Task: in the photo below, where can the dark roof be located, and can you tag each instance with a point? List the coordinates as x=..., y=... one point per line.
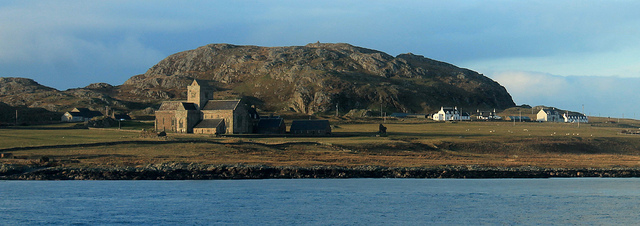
x=209, y=123
x=85, y=112
x=270, y=122
x=175, y=105
x=399, y=115
x=310, y=125
x=519, y=117
x=221, y=105
x=551, y=111
x=189, y=106
x=486, y=113
x=271, y=125
x=574, y=114
x=75, y=114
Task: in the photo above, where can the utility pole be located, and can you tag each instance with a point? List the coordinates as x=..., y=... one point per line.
x=337, y=109
x=16, y=118
x=520, y=117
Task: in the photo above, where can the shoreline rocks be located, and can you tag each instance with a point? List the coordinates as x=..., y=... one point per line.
x=191, y=171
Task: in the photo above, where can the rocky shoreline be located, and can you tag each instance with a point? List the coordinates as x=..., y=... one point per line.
x=191, y=171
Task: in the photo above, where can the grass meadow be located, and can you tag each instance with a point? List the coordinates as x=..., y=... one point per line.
x=409, y=143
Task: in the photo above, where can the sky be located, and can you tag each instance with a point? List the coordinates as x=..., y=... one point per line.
x=571, y=55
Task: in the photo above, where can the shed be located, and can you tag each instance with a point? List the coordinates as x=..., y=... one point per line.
x=271, y=126
x=310, y=127
x=518, y=118
x=399, y=115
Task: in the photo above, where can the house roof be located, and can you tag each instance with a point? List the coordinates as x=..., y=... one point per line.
x=270, y=122
x=399, y=115
x=189, y=106
x=85, y=112
x=298, y=125
x=519, y=117
x=221, y=105
x=209, y=123
x=175, y=105
x=574, y=114
x=449, y=109
x=485, y=113
x=169, y=105
x=75, y=114
x=550, y=111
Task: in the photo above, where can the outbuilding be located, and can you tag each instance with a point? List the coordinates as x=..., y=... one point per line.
x=310, y=127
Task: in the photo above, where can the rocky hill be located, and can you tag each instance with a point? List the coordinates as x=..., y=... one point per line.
x=317, y=77
x=24, y=92
x=308, y=79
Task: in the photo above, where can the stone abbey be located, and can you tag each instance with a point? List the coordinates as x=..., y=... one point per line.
x=201, y=114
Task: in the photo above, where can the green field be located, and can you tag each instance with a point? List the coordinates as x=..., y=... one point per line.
x=409, y=143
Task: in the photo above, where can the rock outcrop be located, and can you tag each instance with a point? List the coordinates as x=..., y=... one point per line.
x=317, y=77
x=193, y=171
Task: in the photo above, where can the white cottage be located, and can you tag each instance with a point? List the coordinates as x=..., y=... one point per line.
x=446, y=114
x=575, y=117
x=549, y=115
x=450, y=114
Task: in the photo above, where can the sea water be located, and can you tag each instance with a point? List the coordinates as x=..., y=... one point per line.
x=322, y=202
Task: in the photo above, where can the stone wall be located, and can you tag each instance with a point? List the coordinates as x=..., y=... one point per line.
x=242, y=120
x=165, y=121
x=186, y=120
x=227, y=115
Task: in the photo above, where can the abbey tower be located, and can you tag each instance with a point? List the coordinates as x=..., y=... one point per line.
x=199, y=93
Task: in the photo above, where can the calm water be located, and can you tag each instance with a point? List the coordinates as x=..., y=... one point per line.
x=326, y=201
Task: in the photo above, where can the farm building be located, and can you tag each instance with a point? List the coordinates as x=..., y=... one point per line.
x=407, y=115
x=79, y=115
x=271, y=125
x=518, y=118
x=310, y=127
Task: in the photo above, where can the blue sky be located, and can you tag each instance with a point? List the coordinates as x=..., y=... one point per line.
x=556, y=53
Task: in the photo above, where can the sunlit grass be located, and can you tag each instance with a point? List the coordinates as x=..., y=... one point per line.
x=415, y=144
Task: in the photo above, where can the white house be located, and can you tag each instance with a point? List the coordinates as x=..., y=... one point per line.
x=488, y=115
x=549, y=115
x=575, y=117
x=446, y=114
x=79, y=115
x=450, y=114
